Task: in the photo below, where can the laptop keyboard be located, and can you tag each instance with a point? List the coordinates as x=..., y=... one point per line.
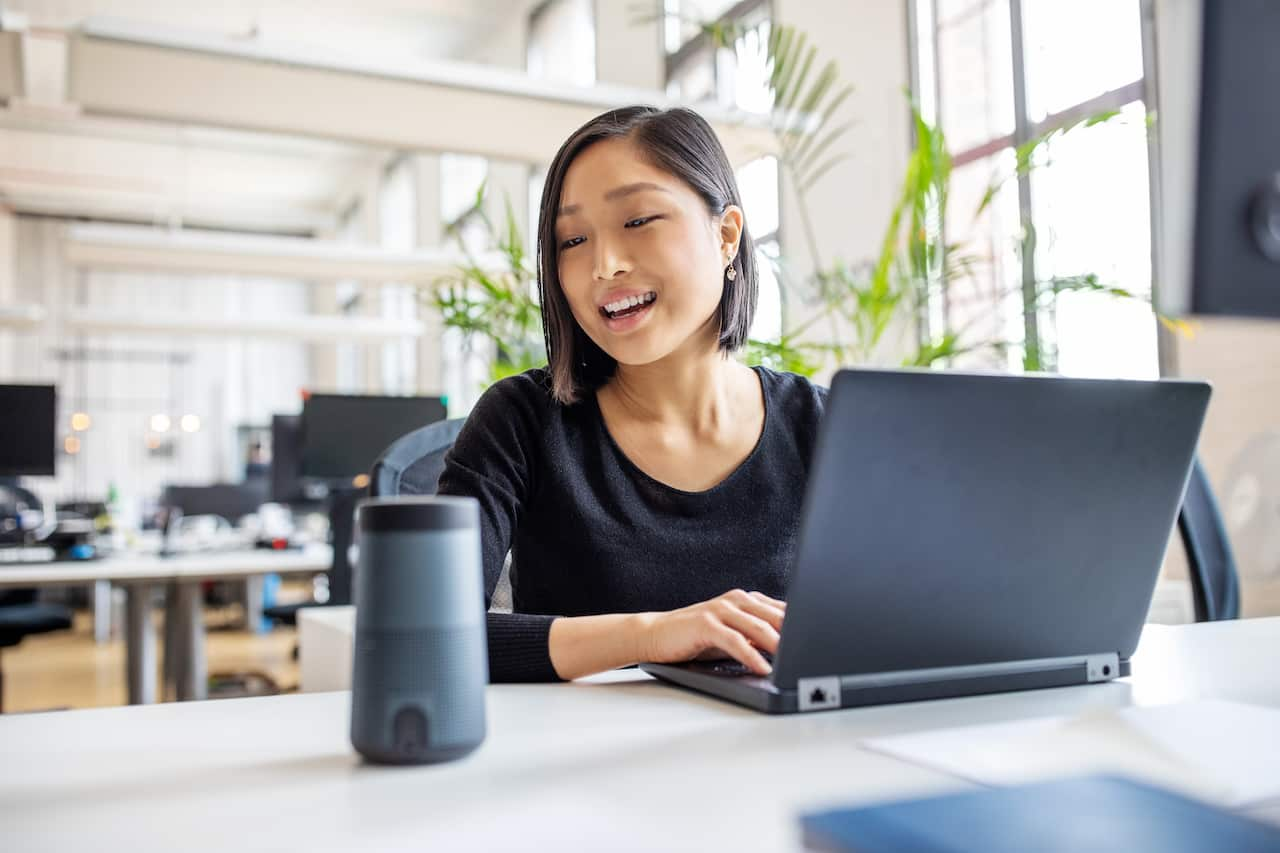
x=727, y=668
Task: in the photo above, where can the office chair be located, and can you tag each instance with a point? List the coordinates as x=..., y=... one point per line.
x=413, y=465
x=1215, y=588
x=20, y=615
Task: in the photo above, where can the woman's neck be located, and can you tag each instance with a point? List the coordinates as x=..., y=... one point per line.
x=699, y=391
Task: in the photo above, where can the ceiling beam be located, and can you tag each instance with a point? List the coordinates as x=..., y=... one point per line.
x=151, y=249
x=18, y=315
x=128, y=70
x=314, y=328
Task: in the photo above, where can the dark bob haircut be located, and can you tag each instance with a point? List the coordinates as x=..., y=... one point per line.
x=681, y=143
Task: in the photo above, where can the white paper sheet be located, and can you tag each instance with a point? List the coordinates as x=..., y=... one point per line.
x=1224, y=752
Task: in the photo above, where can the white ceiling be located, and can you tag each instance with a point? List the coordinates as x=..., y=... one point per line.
x=55, y=161
x=147, y=172
x=434, y=29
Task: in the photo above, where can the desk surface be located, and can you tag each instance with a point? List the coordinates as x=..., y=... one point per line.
x=126, y=567
x=617, y=762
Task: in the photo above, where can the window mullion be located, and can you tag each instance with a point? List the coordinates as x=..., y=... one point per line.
x=1166, y=345
x=1021, y=134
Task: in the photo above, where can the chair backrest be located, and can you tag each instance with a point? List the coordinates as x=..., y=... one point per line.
x=1211, y=565
x=413, y=463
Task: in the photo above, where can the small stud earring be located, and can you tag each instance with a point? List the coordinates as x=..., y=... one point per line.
x=730, y=273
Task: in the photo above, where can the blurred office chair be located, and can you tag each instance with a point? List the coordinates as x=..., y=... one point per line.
x=413, y=465
x=1215, y=589
x=21, y=615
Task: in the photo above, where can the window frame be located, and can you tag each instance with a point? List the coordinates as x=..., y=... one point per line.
x=1026, y=129
x=695, y=49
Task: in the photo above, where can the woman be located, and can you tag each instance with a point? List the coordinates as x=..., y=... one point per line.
x=645, y=478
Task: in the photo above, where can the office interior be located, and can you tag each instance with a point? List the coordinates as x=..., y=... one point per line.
x=227, y=231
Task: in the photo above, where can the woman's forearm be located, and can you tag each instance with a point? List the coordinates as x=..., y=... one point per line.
x=582, y=645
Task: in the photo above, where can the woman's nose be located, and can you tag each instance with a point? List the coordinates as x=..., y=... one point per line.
x=609, y=261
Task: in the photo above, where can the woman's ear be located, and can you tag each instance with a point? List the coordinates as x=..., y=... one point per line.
x=731, y=224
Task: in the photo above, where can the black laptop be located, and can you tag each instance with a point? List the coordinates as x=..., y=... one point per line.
x=968, y=533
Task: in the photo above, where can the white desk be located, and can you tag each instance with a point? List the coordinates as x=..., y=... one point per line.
x=614, y=763
x=184, y=629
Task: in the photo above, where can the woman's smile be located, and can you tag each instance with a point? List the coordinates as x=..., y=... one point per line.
x=624, y=313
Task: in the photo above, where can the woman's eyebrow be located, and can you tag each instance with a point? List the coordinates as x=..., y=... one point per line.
x=615, y=194
x=631, y=189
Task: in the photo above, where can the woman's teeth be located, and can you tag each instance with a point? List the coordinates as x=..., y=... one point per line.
x=630, y=302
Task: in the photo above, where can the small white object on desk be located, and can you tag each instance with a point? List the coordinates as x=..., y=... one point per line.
x=1224, y=752
x=326, y=637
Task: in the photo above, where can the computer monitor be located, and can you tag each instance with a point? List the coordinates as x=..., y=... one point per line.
x=343, y=435
x=286, y=459
x=28, y=439
x=1218, y=67
x=232, y=501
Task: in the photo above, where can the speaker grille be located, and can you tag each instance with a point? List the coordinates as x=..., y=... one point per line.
x=441, y=670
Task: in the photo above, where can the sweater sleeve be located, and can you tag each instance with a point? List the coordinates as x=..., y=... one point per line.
x=494, y=461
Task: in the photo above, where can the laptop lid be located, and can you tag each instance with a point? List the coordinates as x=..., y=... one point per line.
x=958, y=519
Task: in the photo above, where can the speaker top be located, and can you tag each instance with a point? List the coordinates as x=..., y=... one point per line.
x=419, y=513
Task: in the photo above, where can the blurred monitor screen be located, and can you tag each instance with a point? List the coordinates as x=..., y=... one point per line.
x=343, y=435
x=286, y=459
x=27, y=436
x=232, y=501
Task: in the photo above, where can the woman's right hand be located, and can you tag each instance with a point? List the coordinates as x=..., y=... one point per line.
x=737, y=624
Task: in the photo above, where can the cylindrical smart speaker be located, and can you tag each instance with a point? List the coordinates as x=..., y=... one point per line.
x=421, y=664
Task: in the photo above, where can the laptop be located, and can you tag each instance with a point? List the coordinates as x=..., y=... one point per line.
x=968, y=533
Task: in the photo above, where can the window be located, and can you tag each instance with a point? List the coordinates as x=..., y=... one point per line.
x=698, y=71
x=758, y=184
x=737, y=78
x=349, y=356
x=995, y=74
x=461, y=177
x=562, y=42
x=398, y=231
x=464, y=371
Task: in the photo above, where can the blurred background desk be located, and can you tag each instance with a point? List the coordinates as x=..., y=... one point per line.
x=140, y=575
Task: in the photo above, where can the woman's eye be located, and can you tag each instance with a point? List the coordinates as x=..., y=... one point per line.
x=635, y=223
x=570, y=243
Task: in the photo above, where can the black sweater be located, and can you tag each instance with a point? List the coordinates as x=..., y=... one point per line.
x=591, y=533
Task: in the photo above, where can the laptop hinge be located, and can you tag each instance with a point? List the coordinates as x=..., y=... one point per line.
x=1100, y=667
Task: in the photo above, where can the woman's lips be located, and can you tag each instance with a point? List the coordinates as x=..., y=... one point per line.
x=629, y=320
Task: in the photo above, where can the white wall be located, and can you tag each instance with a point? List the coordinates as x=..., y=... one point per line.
x=850, y=208
x=628, y=53
x=504, y=46
x=1240, y=443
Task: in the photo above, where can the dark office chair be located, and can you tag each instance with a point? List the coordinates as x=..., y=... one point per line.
x=20, y=615
x=1215, y=588
x=413, y=465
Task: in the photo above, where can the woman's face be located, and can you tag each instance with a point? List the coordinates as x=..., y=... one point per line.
x=641, y=259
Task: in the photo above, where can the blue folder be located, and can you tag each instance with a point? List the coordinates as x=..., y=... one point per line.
x=1093, y=813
